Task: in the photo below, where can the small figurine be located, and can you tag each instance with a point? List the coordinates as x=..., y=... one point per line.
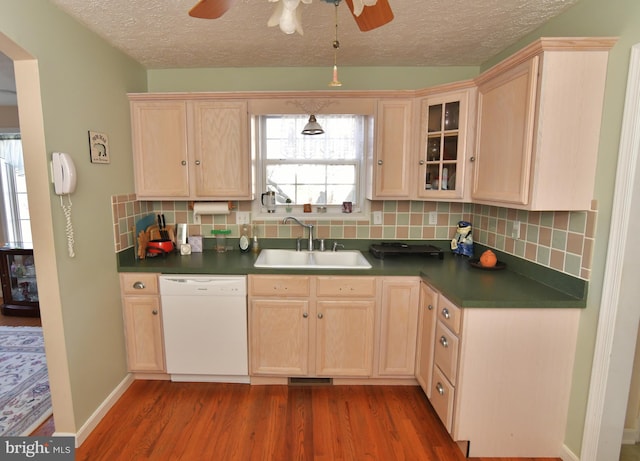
x=462, y=243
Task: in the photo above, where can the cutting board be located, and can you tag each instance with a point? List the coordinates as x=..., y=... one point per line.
x=143, y=223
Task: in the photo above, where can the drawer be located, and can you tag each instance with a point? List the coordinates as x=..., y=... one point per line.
x=361, y=287
x=446, y=351
x=442, y=397
x=449, y=314
x=279, y=285
x=136, y=284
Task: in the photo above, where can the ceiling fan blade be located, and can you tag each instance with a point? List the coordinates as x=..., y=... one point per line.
x=210, y=9
x=374, y=16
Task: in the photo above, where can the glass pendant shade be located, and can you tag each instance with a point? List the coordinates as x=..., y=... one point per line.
x=312, y=127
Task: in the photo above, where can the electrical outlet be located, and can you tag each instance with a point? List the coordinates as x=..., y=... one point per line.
x=433, y=217
x=515, y=231
x=243, y=217
x=377, y=217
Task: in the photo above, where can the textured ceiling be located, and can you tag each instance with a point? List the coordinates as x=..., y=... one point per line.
x=160, y=34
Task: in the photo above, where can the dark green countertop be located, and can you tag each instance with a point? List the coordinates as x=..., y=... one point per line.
x=521, y=284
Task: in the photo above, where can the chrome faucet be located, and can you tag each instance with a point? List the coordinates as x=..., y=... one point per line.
x=308, y=226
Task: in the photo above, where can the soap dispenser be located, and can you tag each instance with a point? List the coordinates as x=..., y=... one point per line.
x=243, y=242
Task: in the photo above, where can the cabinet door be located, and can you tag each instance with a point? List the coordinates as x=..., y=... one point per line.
x=221, y=158
x=159, y=132
x=398, y=327
x=392, y=167
x=441, y=165
x=344, y=337
x=506, y=118
x=143, y=330
x=279, y=336
x=428, y=309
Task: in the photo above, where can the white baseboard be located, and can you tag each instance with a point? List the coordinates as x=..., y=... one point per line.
x=91, y=423
x=568, y=455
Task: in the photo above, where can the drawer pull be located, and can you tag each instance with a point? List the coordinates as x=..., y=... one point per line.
x=445, y=313
x=154, y=312
x=444, y=341
x=440, y=388
x=430, y=307
x=320, y=315
x=305, y=315
x=139, y=286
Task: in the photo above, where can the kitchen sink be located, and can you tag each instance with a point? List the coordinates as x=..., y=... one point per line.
x=292, y=259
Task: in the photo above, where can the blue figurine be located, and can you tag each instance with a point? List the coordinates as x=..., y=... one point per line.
x=462, y=243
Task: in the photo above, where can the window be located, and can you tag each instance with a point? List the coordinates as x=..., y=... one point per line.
x=325, y=169
x=15, y=209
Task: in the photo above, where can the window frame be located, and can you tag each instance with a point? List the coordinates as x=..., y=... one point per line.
x=361, y=207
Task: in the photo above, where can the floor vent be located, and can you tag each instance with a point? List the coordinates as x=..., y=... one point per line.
x=310, y=381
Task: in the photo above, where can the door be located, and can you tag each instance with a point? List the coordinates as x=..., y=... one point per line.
x=221, y=158
x=160, y=148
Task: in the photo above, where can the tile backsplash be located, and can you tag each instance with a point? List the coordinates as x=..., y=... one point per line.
x=560, y=240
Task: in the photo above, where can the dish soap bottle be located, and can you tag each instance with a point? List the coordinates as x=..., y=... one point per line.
x=243, y=243
x=256, y=245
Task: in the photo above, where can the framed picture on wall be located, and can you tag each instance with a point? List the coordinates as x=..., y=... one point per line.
x=99, y=147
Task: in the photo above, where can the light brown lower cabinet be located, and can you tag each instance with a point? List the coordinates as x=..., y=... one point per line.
x=501, y=377
x=307, y=326
x=142, y=322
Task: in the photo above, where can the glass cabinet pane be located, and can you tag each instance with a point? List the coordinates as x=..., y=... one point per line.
x=451, y=115
x=435, y=118
x=450, y=151
x=22, y=276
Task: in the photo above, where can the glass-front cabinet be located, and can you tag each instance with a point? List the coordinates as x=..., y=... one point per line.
x=444, y=120
x=19, y=286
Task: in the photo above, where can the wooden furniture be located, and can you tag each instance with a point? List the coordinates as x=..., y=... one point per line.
x=397, y=327
x=142, y=322
x=446, y=137
x=539, y=114
x=19, y=285
x=501, y=376
x=390, y=169
x=305, y=326
x=190, y=149
x=427, y=310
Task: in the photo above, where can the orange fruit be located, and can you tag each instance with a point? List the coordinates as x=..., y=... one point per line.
x=488, y=259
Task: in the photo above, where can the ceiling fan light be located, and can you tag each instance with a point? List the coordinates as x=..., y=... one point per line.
x=312, y=127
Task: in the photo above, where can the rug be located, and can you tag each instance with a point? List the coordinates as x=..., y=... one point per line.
x=25, y=400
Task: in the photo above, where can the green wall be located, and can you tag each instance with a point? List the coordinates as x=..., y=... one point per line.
x=84, y=83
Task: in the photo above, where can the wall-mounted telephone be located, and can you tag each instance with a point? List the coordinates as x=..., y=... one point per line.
x=64, y=183
x=64, y=173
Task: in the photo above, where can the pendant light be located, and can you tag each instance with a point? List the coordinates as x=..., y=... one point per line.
x=336, y=44
x=312, y=127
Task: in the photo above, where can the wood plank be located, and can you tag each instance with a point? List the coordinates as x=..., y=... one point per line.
x=159, y=420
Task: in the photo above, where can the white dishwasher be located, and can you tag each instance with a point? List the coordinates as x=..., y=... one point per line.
x=205, y=327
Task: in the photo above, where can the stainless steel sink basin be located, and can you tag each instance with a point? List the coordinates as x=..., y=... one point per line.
x=292, y=259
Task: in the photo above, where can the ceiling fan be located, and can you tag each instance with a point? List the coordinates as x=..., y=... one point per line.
x=368, y=14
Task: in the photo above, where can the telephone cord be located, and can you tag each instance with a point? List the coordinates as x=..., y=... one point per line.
x=68, y=227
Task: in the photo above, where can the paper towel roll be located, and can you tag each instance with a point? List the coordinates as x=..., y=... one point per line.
x=200, y=208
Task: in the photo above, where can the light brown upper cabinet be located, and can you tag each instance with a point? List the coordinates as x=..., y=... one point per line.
x=539, y=114
x=445, y=137
x=190, y=149
x=391, y=165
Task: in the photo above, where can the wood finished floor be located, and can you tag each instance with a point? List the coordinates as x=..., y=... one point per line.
x=162, y=420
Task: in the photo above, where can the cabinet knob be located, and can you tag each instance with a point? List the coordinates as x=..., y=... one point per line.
x=379, y=162
x=440, y=388
x=421, y=162
x=430, y=307
x=444, y=341
x=305, y=315
x=472, y=159
x=183, y=163
x=154, y=312
x=139, y=286
x=320, y=315
x=197, y=162
x=445, y=313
